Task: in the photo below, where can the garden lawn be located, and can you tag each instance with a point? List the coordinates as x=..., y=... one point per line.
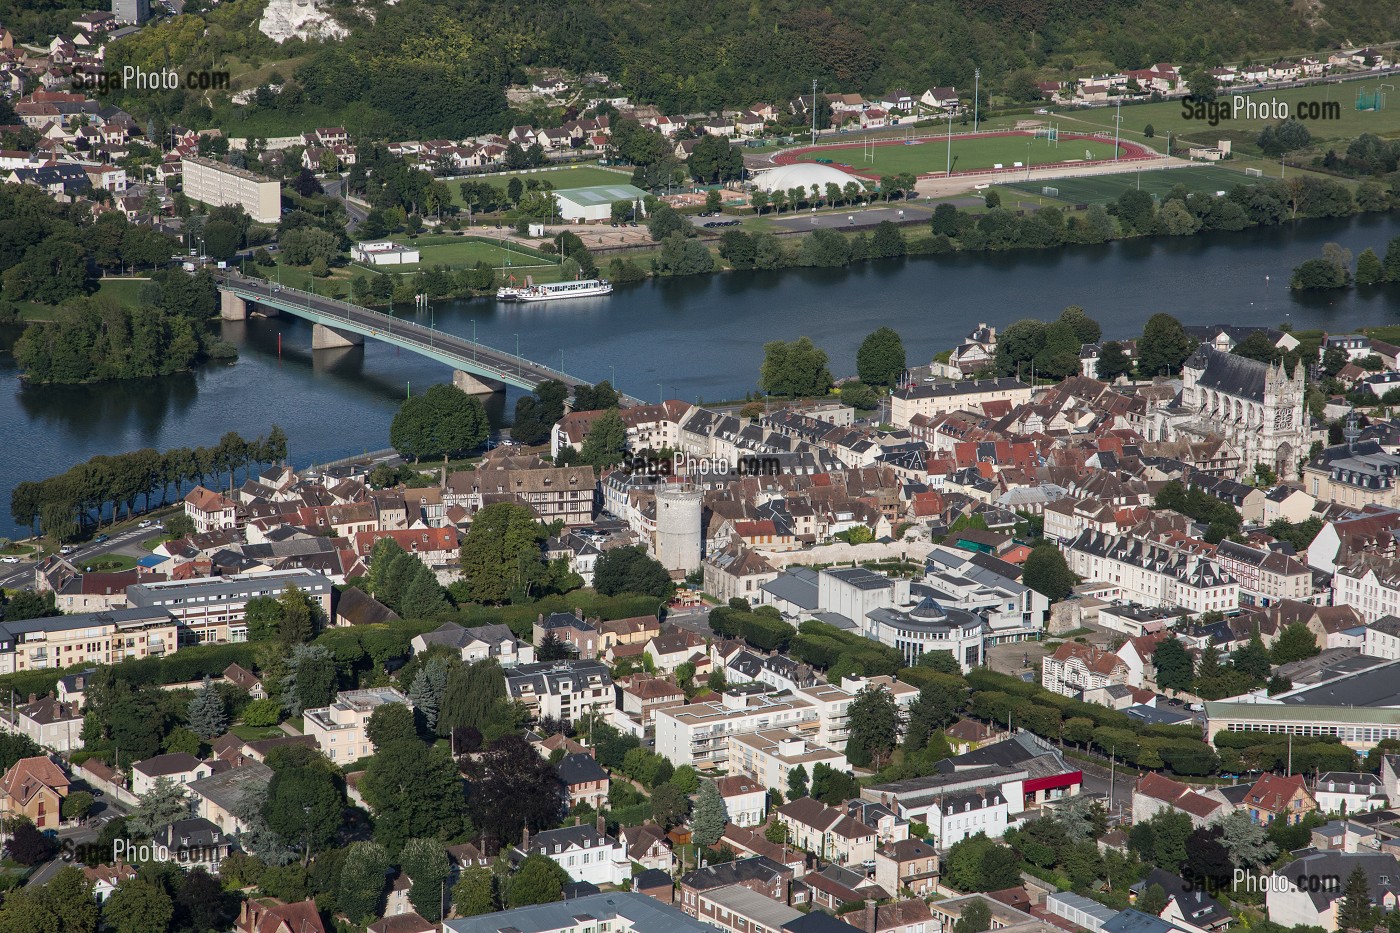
x=573, y=176
x=1103, y=189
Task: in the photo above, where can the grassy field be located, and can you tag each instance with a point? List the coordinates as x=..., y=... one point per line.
x=574, y=176
x=123, y=291
x=1167, y=116
x=1102, y=189
x=464, y=253
x=931, y=155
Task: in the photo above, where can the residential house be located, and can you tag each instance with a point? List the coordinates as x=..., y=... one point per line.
x=218, y=797
x=34, y=788
x=1347, y=792
x=1155, y=793
x=586, y=852
x=269, y=915
x=47, y=721
x=195, y=843
x=105, y=878
x=340, y=729
x=210, y=510
x=1296, y=897
x=907, y=865
x=758, y=874
x=828, y=832
x=745, y=800
x=562, y=690
x=176, y=767
x=585, y=781
x=1274, y=796
x=646, y=846
x=478, y=643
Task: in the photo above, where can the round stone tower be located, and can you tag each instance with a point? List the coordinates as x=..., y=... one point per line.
x=678, y=539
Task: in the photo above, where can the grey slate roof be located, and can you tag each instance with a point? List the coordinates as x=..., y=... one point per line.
x=645, y=914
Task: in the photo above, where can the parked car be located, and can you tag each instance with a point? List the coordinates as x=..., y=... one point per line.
x=66, y=549
x=11, y=559
x=100, y=538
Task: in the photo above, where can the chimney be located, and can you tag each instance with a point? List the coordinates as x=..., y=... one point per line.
x=870, y=918
x=32, y=697
x=602, y=825
x=525, y=840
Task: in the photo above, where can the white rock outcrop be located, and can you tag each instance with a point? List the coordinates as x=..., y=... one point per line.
x=285, y=19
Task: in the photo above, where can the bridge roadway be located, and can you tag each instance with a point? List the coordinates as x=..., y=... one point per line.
x=477, y=368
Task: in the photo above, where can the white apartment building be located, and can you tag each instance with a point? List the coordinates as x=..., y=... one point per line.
x=1370, y=585
x=1074, y=668
x=697, y=734
x=218, y=184
x=563, y=690
x=962, y=815
x=968, y=394
x=211, y=610
x=771, y=755
x=1383, y=639
x=1153, y=574
x=339, y=729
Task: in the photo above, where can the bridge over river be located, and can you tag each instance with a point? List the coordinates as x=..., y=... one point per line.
x=477, y=368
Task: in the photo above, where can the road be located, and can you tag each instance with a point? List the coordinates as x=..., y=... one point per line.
x=356, y=214
x=20, y=576
x=463, y=354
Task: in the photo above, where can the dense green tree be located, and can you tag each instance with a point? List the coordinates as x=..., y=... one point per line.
x=362, y=878
x=1113, y=362
x=794, y=369
x=413, y=787
x=631, y=570
x=976, y=918
x=511, y=787
x=501, y=557
x=979, y=864
x=1252, y=659
x=305, y=808
x=1295, y=643
x=1368, y=268
x=64, y=905
x=539, y=880
x=1046, y=572
x=831, y=786
x=880, y=360
x=390, y=723
x=1356, y=911
x=874, y=723
x=137, y=906
x=207, y=714
x=442, y=422
x=1164, y=346
x=669, y=805
x=425, y=862
x=606, y=442
x=472, y=694
x=474, y=892
x=1173, y=665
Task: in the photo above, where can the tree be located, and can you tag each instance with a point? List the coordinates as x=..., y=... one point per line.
x=137, y=906
x=1368, y=268
x=424, y=597
x=442, y=422
x=208, y=717
x=710, y=815
x=1252, y=659
x=411, y=787
x=794, y=369
x=1046, y=572
x=669, y=806
x=310, y=681
x=500, y=555
x=1113, y=362
x=424, y=860
x=776, y=832
x=1356, y=911
x=160, y=806
x=631, y=570
x=606, y=442
x=1246, y=841
x=832, y=787
x=976, y=918
x=1153, y=900
x=539, y=880
x=362, y=877
x=880, y=360
x=76, y=805
x=305, y=808
x=28, y=846
x=512, y=788
x=1295, y=643
x=472, y=694
x=797, y=782
x=390, y=723
x=1086, y=329
x=474, y=893
x=1173, y=665
x=1164, y=346
x=979, y=864
x=873, y=720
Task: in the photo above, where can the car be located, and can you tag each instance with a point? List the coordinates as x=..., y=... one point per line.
x=100, y=538
x=144, y=524
x=9, y=560
x=66, y=549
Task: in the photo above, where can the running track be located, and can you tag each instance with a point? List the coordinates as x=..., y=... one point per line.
x=1130, y=152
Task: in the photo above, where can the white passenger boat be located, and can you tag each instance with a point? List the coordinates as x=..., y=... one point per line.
x=582, y=288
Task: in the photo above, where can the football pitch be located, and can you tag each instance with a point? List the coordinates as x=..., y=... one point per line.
x=1102, y=189
x=574, y=176
x=930, y=155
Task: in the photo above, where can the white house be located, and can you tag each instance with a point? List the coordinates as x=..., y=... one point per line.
x=745, y=800
x=384, y=253
x=585, y=852
x=179, y=767
x=1349, y=792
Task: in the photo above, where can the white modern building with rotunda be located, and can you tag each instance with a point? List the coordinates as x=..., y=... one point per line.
x=803, y=175
x=928, y=626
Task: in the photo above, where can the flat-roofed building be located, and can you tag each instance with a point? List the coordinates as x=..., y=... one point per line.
x=92, y=638
x=219, y=184
x=616, y=911
x=212, y=609
x=773, y=754
x=697, y=734
x=340, y=729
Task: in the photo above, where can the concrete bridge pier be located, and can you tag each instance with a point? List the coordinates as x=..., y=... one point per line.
x=472, y=384
x=232, y=308
x=328, y=338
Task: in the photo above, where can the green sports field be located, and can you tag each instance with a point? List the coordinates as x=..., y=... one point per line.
x=462, y=253
x=576, y=176
x=1101, y=189
x=930, y=156
x=1167, y=116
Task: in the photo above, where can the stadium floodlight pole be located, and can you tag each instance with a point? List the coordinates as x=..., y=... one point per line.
x=949, y=172
x=1117, y=122
x=976, y=96
x=814, y=111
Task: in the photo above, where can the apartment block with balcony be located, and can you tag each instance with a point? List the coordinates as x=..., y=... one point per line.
x=563, y=690
x=697, y=734
x=340, y=729
x=93, y=638
x=771, y=755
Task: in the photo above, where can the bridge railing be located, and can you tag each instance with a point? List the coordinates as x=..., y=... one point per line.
x=499, y=361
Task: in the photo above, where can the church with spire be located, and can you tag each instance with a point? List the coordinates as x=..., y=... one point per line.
x=1256, y=408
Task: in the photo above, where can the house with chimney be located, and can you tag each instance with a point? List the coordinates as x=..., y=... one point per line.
x=34, y=788
x=269, y=915
x=1275, y=796
x=586, y=852
x=1155, y=793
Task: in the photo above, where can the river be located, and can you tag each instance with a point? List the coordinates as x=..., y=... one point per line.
x=691, y=338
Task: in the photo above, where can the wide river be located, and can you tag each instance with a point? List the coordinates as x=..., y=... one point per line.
x=695, y=338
